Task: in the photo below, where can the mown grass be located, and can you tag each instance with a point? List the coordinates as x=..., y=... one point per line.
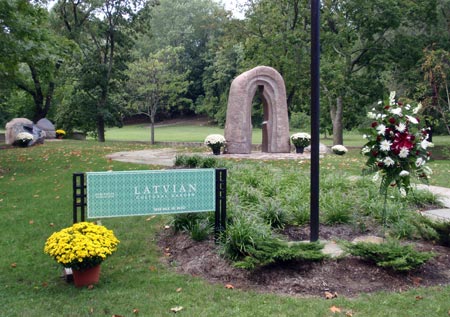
x=197, y=133
x=36, y=200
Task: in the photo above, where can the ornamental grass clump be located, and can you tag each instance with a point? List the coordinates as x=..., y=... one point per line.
x=301, y=139
x=81, y=246
x=397, y=145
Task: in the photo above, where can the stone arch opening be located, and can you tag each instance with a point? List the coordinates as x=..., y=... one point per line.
x=275, y=127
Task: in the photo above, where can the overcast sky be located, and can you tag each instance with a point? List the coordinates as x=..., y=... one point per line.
x=235, y=6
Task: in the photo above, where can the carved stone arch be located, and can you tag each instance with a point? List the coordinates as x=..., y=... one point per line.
x=238, y=126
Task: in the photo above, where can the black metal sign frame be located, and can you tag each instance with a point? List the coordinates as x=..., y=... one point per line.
x=80, y=199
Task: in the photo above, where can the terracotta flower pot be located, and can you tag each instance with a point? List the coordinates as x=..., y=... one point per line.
x=86, y=277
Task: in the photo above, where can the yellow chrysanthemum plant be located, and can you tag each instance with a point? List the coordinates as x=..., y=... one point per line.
x=81, y=246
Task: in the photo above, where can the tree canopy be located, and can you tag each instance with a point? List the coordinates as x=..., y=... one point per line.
x=88, y=64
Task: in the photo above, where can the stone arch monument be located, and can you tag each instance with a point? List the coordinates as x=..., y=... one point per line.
x=238, y=126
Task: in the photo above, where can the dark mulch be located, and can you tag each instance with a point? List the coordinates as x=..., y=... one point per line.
x=348, y=276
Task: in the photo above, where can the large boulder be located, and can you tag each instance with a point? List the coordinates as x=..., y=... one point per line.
x=18, y=125
x=45, y=125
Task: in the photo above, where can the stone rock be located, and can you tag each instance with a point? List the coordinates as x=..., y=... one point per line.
x=47, y=126
x=238, y=126
x=18, y=125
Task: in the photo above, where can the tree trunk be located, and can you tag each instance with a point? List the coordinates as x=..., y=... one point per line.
x=152, y=129
x=101, y=128
x=336, y=118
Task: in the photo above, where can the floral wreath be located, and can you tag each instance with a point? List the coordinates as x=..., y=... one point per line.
x=397, y=145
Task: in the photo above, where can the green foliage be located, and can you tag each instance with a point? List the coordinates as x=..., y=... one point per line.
x=197, y=161
x=390, y=254
x=273, y=250
x=300, y=121
x=438, y=231
x=198, y=225
x=274, y=213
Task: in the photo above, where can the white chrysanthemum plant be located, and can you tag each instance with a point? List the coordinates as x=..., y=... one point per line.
x=397, y=145
x=24, y=136
x=339, y=149
x=215, y=142
x=301, y=139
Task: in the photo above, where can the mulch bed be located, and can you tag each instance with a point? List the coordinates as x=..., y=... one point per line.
x=349, y=276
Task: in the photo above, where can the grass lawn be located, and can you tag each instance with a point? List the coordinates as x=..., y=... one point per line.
x=36, y=200
x=196, y=133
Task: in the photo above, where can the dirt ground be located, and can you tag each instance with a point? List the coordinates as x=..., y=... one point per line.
x=348, y=276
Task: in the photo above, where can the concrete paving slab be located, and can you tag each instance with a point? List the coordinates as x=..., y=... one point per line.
x=437, y=214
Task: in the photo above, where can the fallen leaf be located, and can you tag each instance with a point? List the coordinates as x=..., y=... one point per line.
x=176, y=309
x=335, y=309
x=114, y=315
x=150, y=218
x=35, y=196
x=51, y=224
x=152, y=268
x=45, y=284
x=349, y=313
x=329, y=295
x=179, y=289
x=166, y=227
x=13, y=265
x=91, y=311
x=167, y=254
x=135, y=311
x=31, y=222
x=90, y=286
x=418, y=297
x=417, y=281
x=229, y=286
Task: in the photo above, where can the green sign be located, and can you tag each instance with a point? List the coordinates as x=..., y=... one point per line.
x=134, y=193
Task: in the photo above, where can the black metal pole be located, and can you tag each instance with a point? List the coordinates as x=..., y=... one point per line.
x=315, y=118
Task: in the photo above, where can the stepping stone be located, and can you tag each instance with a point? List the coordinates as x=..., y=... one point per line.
x=437, y=214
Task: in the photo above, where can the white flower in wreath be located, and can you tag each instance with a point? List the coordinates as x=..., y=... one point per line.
x=404, y=152
x=385, y=145
x=420, y=161
x=403, y=173
x=388, y=161
x=400, y=127
x=412, y=119
x=381, y=129
x=396, y=111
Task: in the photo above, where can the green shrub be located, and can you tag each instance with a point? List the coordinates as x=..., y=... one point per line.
x=300, y=120
x=389, y=254
x=273, y=250
x=193, y=161
x=440, y=231
x=180, y=160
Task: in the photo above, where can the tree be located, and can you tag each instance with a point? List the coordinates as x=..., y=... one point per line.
x=192, y=25
x=157, y=82
x=30, y=54
x=101, y=30
x=356, y=40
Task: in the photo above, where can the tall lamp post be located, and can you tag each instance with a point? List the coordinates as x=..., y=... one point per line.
x=315, y=119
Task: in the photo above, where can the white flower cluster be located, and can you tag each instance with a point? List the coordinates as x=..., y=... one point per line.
x=24, y=136
x=339, y=149
x=215, y=139
x=301, y=135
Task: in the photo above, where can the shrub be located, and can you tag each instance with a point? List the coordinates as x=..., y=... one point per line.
x=274, y=250
x=389, y=254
